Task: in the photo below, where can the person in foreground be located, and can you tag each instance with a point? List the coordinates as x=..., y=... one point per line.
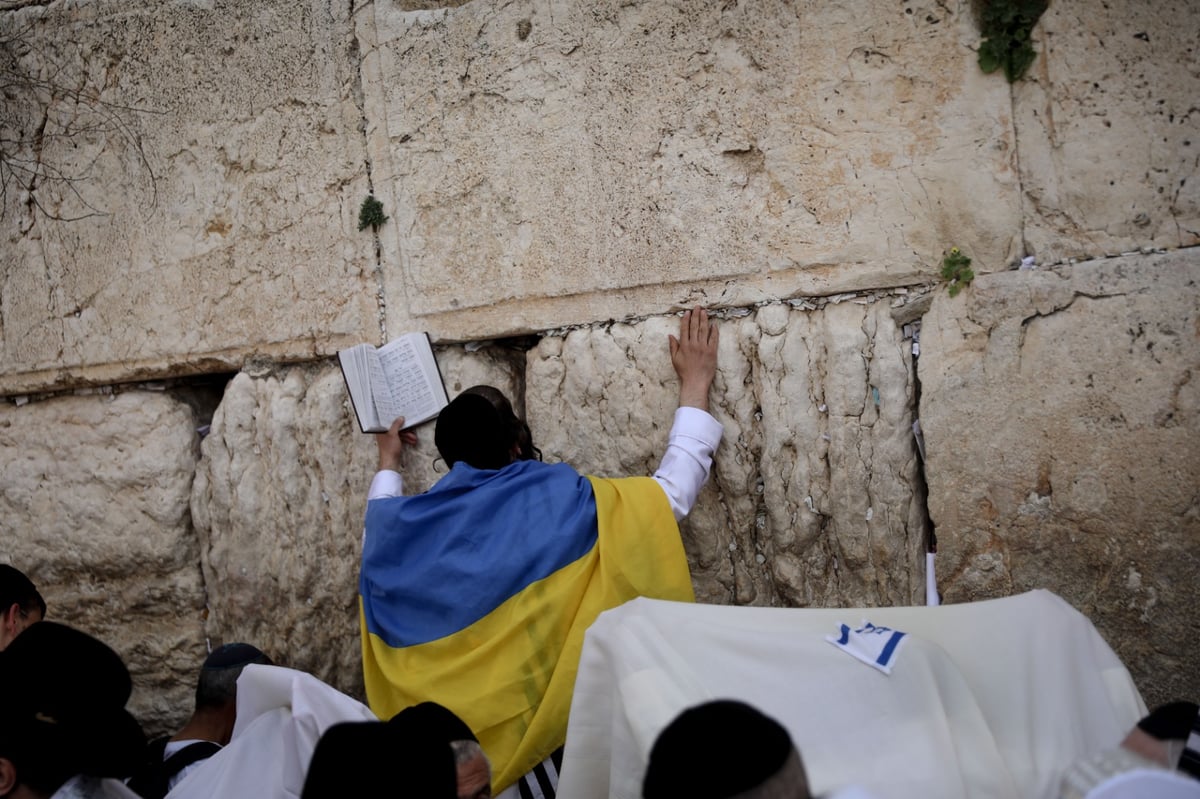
x=745, y=754
x=210, y=727
x=424, y=751
x=64, y=730
x=477, y=593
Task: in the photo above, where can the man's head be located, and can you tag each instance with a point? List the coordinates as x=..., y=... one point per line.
x=433, y=722
x=721, y=750
x=518, y=434
x=217, y=687
x=481, y=429
x=355, y=758
x=471, y=430
x=66, y=714
x=20, y=604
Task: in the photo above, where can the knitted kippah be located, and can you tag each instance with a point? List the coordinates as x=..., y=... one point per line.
x=715, y=750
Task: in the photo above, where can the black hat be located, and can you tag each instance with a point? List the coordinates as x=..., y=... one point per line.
x=715, y=750
x=471, y=430
x=433, y=721
x=16, y=588
x=65, y=708
x=355, y=758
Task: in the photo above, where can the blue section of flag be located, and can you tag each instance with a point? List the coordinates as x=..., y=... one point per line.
x=889, y=649
x=435, y=563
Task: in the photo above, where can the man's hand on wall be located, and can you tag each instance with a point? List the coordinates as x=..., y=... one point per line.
x=694, y=355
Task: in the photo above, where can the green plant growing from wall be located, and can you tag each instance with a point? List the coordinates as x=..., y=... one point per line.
x=956, y=268
x=371, y=214
x=1006, y=26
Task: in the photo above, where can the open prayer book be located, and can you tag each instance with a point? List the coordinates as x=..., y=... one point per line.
x=401, y=378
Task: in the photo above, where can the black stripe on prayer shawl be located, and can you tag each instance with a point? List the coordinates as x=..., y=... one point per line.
x=544, y=782
x=556, y=757
x=541, y=782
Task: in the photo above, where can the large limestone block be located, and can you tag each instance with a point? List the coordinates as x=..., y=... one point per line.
x=1109, y=131
x=94, y=507
x=811, y=497
x=845, y=523
x=1061, y=412
x=278, y=503
x=556, y=162
x=182, y=184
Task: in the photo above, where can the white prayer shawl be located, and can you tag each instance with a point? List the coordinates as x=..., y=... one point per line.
x=989, y=699
x=84, y=787
x=281, y=714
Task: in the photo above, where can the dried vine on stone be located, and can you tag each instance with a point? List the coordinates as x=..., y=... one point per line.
x=36, y=110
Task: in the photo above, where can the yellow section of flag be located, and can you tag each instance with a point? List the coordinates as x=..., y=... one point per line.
x=510, y=675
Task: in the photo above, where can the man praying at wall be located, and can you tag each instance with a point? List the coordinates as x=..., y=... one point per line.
x=209, y=728
x=477, y=593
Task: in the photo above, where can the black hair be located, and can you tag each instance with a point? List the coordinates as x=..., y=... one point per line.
x=217, y=685
x=518, y=432
x=481, y=429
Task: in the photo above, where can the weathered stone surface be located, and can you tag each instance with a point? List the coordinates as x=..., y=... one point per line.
x=557, y=163
x=1109, y=131
x=811, y=500
x=278, y=503
x=197, y=170
x=1061, y=412
x=193, y=173
x=94, y=507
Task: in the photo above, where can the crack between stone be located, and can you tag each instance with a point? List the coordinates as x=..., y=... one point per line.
x=1059, y=309
x=1012, y=109
x=920, y=485
x=360, y=102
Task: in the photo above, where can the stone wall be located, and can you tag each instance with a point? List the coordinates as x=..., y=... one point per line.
x=94, y=502
x=1085, y=385
x=181, y=183
x=555, y=163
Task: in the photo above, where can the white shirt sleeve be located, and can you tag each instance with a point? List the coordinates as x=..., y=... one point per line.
x=688, y=460
x=386, y=484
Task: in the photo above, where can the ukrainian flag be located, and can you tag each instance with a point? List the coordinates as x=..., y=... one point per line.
x=477, y=593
